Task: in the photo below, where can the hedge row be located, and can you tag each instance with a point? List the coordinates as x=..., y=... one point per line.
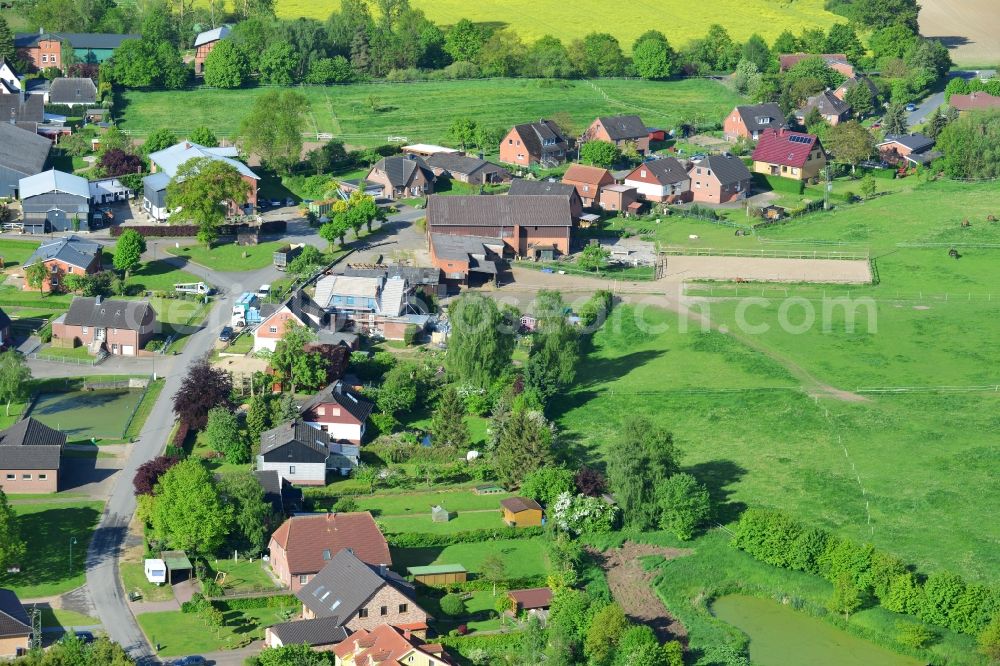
x=778, y=184
x=186, y=230
x=426, y=540
x=941, y=598
x=246, y=603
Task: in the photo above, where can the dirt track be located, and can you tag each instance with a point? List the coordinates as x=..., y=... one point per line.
x=757, y=269
x=969, y=28
x=632, y=588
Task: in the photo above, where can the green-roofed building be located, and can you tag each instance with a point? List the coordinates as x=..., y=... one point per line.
x=438, y=574
x=177, y=562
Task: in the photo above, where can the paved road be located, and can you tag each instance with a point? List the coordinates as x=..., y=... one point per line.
x=926, y=107
x=103, y=583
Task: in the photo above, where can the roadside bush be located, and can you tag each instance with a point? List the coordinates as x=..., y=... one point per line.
x=196, y=604
x=45, y=333
x=452, y=604
x=276, y=601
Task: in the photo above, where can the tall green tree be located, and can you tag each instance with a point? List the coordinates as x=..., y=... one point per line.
x=35, y=275
x=224, y=434
x=598, y=54
x=755, y=50
x=290, y=360
x=842, y=39
x=463, y=131
x=14, y=378
x=464, y=40
x=525, y=445
x=894, y=121
x=203, y=136
x=448, y=426
x=227, y=65
x=860, y=97
x=548, y=58
x=970, y=146
x=6, y=41
x=188, y=512
x=273, y=128
x=258, y=417
x=846, y=597
x=128, y=251
x=606, y=629
x=12, y=547
x=684, y=505
x=252, y=514
x=874, y=14
x=645, y=457
x=278, y=63
x=989, y=638
x=204, y=189
x=482, y=340
x=600, y=153
x=652, y=56
x=850, y=142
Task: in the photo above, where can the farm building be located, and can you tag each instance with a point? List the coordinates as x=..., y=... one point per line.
x=521, y=512
x=438, y=574
x=535, y=599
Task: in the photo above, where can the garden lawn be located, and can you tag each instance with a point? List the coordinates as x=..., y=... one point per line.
x=180, y=633
x=464, y=520
x=212, y=459
x=229, y=257
x=241, y=345
x=158, y=276
x=244, y=575
x=47, y=529
x=688, y=584
x=523, y=557
x=134, y=580
x=419, y=503
x=345, y=112
x=70, y=353
x=15, y=252
x=480, y=611
x=11, y=295
x=531, y=20
x=179, y=318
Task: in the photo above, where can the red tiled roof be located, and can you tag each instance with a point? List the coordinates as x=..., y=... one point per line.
x=384, y=644
x=784, y=147
x=975, y=100
x=537, y=597
x=305, y=538
x=580, y=173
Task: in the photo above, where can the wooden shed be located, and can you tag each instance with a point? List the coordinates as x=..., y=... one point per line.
x=439, y=574
x=521, y=512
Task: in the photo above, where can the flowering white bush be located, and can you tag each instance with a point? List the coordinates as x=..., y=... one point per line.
x=577, y=514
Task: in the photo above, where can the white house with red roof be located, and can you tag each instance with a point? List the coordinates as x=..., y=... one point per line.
x=789, y=154
x=338, y=411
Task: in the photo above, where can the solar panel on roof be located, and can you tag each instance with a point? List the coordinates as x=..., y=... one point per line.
x=800, y=139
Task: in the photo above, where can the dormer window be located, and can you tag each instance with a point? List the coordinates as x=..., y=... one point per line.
x=642, y=173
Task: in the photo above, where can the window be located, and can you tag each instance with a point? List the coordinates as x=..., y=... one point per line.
x=303, y=579
x=510, y=142
x=698, y=171
x=586, y=188
x=291, y=469
x=26, y=477
x=272, y=329
x=321, y=410
x=45, y=58
x=795, y=171
x=363, y=613
x=43, y=477
x=642, y=173
x=383, y=611
x=403, y=608
x=55, y=269
x=85, y=329
x=350, y=300
x=11, y=477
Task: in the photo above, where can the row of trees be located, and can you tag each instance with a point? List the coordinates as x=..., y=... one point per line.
x=863, y=576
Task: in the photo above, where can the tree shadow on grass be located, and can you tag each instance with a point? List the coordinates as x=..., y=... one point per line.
x=47, y=536
x=719, y=476
x=598, y=371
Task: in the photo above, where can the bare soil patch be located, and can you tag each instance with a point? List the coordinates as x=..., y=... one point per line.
x=632, y=588
x=760, y=269
x=969, y=28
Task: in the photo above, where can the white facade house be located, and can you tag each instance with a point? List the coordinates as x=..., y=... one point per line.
x=302, y=455
x=339, y=412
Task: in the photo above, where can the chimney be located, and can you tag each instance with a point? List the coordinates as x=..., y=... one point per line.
x=381, y=570
x=330, y=515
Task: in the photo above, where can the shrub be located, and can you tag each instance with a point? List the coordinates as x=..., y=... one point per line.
x=915, y=636
x=276, y=601
x=196, y=604
x=428, y=540
x=345, y=505
x=452, y=604
x=45, y=333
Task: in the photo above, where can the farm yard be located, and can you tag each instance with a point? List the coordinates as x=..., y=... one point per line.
x=424, y=111
x=531, y=20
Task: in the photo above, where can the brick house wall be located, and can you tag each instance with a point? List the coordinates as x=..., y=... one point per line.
x=271, y=330
x=811, y=169
x=279, y=565
x=513, y=150
x=399, y=609
x=734, y=128
x=528, y=236
x=708, y=189
x=57, y=270
x=590, y=192
x=418, y=184
x=29, y=481
x=115, y=339
x=650, y=188
x=46, y=53
x=894, y=152
x=201, y=54
x=614, y=200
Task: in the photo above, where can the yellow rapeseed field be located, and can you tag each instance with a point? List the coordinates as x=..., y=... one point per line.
x=680, y=20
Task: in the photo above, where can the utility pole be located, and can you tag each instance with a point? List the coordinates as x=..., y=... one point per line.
x=827, y=190
x=72, y=541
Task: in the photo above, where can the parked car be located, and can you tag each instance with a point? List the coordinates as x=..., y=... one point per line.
x=911, y=107
x=289, y=201
x=193, y=660
x=276, y=203
x=226, y=334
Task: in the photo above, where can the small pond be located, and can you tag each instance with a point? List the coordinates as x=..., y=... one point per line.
x=782, y=636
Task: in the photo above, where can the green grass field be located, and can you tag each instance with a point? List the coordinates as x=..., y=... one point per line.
x=523, y=557
x=420, y=503
x=532, y=20
x=230, y=257
x=425, y=111
x=158, y=276
x=244, y=574
x=180, y=633
x=463, y=520
x=47, y=530
x=134, y=580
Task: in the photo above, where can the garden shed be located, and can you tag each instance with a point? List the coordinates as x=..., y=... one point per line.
x=488, y=489
x=439, y=514
x=438, y=574
x=177, y=562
